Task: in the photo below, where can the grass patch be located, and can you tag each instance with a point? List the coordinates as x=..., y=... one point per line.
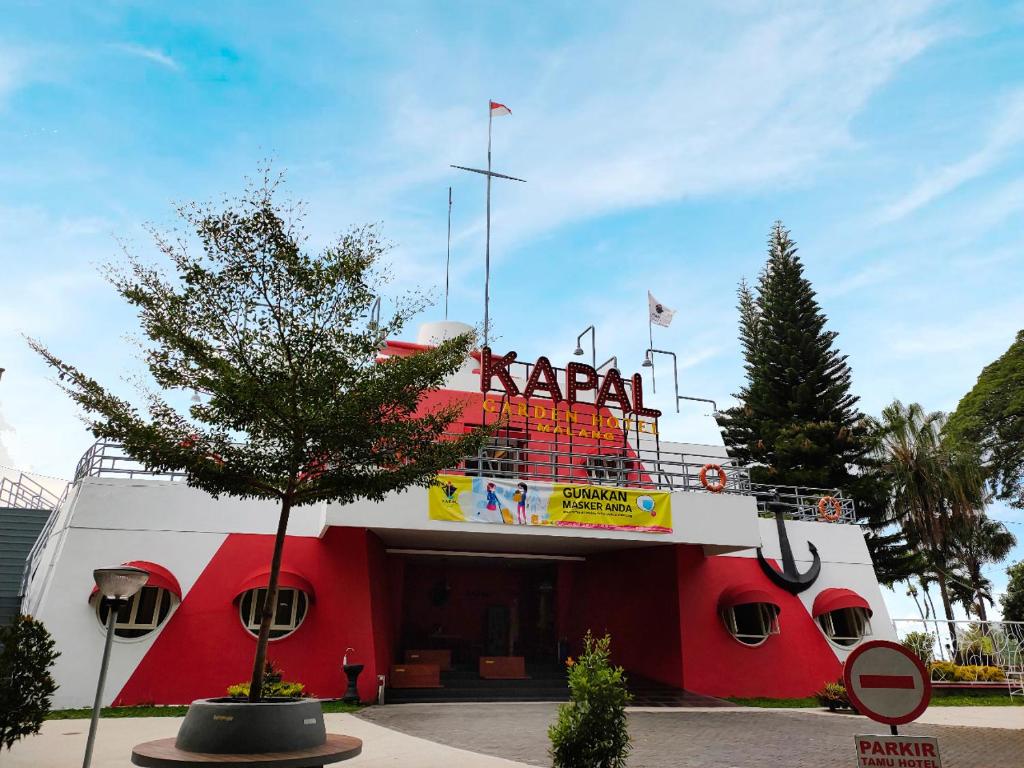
x=987, y=699
x=86, y=712
x=170, y=711
x=939, y=699
x=762, y=701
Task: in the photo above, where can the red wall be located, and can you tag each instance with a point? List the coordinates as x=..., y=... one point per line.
x=633, y=595
x=204, y=648
x=796, y=662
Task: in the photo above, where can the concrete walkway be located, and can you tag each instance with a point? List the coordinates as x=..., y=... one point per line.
x=62, y=744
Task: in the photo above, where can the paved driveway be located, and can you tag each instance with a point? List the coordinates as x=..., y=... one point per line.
x=711, y=739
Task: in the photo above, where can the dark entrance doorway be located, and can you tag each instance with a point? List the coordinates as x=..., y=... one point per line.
x=479, y=606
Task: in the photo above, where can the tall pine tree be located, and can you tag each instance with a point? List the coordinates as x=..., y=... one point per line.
x=797, y=422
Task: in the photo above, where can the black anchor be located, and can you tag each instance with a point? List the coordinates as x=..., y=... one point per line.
x=790, y=579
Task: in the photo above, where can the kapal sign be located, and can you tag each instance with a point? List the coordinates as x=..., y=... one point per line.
x=610, y=390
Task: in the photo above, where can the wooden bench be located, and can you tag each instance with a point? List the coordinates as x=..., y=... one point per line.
x=503, y=668
x=415, y=676
x=163, y=754
x=442, y=658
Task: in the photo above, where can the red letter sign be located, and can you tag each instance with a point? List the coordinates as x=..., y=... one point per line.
x=638, y=399
x=550, y=383
x=574, y=385
x=491, y=367
x=613, y=381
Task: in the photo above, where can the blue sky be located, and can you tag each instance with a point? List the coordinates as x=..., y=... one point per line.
x=659, y=144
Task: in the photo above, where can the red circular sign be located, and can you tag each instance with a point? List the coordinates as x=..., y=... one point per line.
x=887, y=682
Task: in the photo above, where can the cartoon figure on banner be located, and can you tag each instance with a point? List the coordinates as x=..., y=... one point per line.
x=519, y=497
x=492, y=498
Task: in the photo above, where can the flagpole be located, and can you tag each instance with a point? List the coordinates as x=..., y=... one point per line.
x=650, y=335
x=487, y=247
x=448, y=260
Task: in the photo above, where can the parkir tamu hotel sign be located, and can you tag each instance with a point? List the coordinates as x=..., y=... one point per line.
x=544, y=501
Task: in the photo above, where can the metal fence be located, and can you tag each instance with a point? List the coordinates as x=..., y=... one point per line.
x=648, y=466
x=24, y=492
x=986, y=653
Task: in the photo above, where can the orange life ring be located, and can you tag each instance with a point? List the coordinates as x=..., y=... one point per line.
x=713, y=487
x=837, y=508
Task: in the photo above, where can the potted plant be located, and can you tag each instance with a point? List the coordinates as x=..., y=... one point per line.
x=278, y=347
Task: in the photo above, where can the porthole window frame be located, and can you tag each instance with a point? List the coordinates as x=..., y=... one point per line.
x=164, y=607
x=846, y=642
x=768, y=613
x=277, y=631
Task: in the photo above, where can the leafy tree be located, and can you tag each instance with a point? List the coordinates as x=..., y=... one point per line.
x=26, y=685
x=591, y=729
x=281, y=345
x=991, y=416
x=975, y=543
x=797, y=422
x=1012, y=600
x=934, y=488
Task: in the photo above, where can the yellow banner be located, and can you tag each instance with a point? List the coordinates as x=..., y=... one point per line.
x=462, y=499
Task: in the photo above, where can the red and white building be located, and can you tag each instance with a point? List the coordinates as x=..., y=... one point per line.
x=687, y=602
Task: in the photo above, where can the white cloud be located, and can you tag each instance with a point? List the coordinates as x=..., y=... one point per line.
x=151, y=54
x=1005, y=134
x=638, y=118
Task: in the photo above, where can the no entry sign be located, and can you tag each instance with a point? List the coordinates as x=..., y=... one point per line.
x=887, y=682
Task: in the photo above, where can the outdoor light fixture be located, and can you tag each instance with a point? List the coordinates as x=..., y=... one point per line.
x=649, y=361
x=116, y=586
x=593, y=344
x=714, y=405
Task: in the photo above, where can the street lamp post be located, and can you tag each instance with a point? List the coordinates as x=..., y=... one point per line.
x=649, y=363
x=593, y=344
x=714, y=405
x=116, y=586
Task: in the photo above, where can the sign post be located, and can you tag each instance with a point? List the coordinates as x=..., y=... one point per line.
x=890, y=685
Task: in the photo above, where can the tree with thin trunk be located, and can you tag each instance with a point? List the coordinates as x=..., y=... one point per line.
x=934, y=487
x=279, y=344
x=974, y=544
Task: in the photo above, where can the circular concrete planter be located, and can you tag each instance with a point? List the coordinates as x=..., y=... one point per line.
x=233, y=726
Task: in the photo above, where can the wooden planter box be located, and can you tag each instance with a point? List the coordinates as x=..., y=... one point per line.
x=442, y=658
x=415, y=676
x=503, y=668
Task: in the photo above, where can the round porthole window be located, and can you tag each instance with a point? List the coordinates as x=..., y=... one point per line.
x=845, y=626
x=751, y=623
x=146, y=610
x=288, y=613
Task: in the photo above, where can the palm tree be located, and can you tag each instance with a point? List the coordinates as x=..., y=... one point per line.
x=934, y=485
x=976, y=543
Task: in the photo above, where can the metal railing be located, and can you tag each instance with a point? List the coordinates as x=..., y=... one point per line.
x=108, y=459
x=968, y=652
x=25, y=492
x=647, y=465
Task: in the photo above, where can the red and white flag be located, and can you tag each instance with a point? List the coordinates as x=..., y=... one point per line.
x=497, y=110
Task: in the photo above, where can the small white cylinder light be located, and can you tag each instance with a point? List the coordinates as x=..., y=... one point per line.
x=120, y=583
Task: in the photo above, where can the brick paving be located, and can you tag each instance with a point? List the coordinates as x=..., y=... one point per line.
x=709, y=739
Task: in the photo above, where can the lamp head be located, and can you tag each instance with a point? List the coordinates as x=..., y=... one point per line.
x=647, y=361
x=120, y=583
x=579, y=350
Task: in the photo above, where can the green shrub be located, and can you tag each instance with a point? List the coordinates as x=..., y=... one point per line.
x=26, y=685
x=591, y=729
x=833, y=696
x=273, y=686
x=922, y=644
x=947, y=671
